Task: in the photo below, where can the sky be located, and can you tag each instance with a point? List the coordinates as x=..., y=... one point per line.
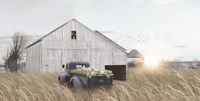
x=168, y=29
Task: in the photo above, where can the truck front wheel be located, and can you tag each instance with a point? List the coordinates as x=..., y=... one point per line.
x=75, y=82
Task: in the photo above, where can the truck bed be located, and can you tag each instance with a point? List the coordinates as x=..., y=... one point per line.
x=94, y=80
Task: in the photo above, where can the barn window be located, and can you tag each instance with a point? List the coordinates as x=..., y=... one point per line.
x=73, y=36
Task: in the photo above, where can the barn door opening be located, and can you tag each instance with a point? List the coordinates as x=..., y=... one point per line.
x=119, y=71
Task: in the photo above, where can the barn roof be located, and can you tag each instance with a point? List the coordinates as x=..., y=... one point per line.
x=111, y=41
x=96, y=32
x=135, y=54
x=47, y=35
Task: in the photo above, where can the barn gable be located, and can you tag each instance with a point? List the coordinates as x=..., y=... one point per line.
x=53, y=35
x=73, y=41
x=135, y=54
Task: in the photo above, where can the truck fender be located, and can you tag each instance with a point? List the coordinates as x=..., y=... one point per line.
x=63, y=78
x=75, y=82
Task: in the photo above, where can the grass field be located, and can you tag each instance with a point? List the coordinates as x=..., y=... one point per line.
x=142, y=85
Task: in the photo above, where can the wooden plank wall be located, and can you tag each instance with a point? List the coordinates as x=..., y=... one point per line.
x=34, y=58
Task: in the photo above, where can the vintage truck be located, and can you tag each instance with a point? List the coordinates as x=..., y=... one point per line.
x=79, y=74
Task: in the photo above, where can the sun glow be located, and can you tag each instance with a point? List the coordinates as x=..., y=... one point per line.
x=151, y=61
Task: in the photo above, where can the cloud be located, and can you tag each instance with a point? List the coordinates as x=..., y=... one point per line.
x=181, y=46
x=163, y=1
x=33, y=16
x=160, y=2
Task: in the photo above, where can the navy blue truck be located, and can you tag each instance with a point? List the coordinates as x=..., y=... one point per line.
x=77, y=80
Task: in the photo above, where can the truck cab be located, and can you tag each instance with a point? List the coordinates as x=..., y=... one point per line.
x=66, y=76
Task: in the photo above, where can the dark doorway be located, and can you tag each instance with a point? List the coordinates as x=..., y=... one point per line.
x=119, y=71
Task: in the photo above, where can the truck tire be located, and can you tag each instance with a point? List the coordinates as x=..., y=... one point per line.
x=75, y=82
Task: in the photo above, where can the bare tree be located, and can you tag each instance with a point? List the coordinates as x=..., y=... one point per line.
x=6, y=58
x=16, y=54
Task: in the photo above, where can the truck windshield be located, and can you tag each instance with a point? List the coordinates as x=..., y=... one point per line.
x=75, y=65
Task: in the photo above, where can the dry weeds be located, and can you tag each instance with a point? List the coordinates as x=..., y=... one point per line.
x=142, y=85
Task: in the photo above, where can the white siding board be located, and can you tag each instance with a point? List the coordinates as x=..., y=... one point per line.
x=34, y=58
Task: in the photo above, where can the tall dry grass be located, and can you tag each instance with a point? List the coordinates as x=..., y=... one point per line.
x=142, y=85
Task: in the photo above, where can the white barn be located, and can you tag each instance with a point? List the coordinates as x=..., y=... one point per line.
x=73, y=41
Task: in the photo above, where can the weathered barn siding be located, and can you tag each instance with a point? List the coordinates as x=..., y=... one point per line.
x=34, y=58
x=58, y=48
